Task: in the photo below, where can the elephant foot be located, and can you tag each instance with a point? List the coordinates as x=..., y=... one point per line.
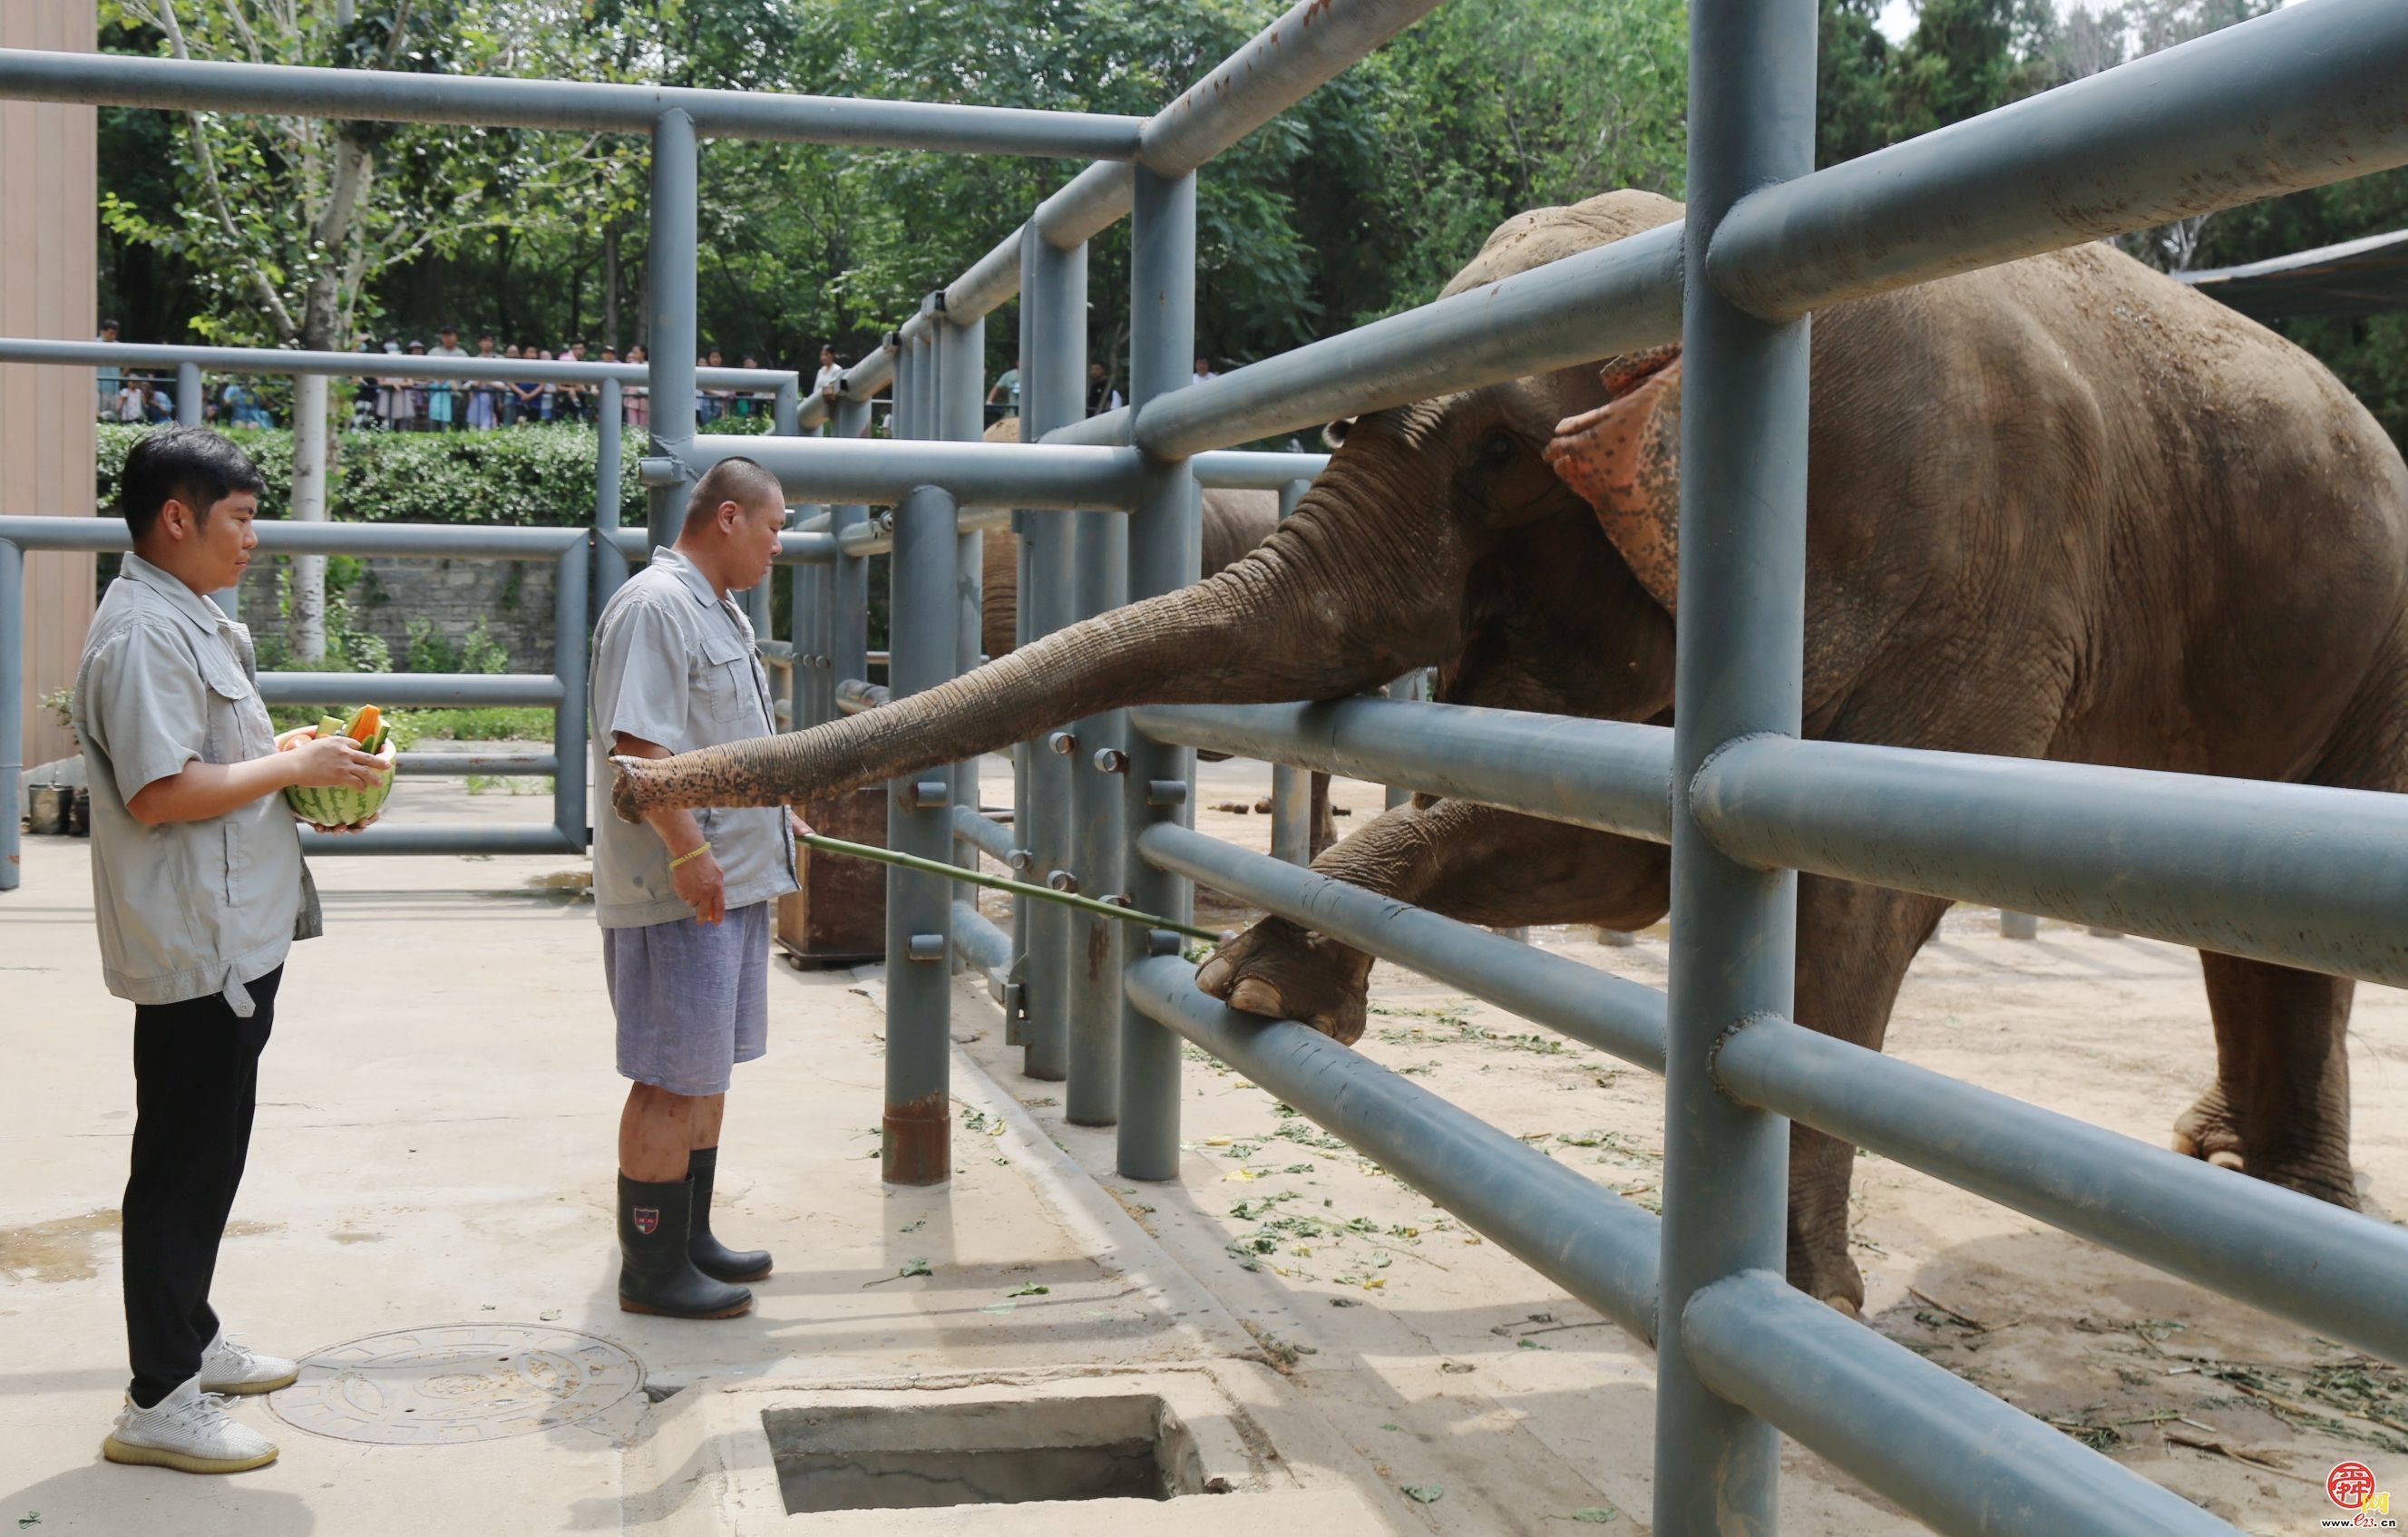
x=1283, y=972
x=2212, y=1132
x=1824, y=1272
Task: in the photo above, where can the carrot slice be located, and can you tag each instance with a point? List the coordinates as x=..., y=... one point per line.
x=364, y=725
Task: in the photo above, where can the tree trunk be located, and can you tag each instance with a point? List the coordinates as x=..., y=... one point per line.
x=309, y=506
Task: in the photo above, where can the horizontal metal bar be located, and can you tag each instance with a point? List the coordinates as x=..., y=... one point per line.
x=1087, y=205
x=1612, y=299
x=1593, y=1007
x=987, y=838
x=450, y=541
x=111, y=79
x=979, y=941
x=1589, y=1241
x=1609, y=775
x=2315, y=1263
x=440, y=838
x=454, y=765
x=885, y=470
x=1235, y=470
x=2296, y=98
x=274, y=360
x=410, y=691
x=1109, y=431
x=854, y=695
x=987, y=284
x=2299, y=875
x=1957, y=1459
x=1312, y=43
x=877, y=535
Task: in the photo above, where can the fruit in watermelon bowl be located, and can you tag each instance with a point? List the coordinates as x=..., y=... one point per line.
x=332, y=807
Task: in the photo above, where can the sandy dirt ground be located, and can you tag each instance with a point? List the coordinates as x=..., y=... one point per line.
x=1416, y=1337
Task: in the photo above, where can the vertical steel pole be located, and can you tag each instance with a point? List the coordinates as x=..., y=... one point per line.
x=570, y=635
x=1164, y=554
x=919, y=907
x=848, y=652
x=961, y=363
x=1053, y=350
x=191, y=405
x=1291, y=786
x=785, y=420
x=671, y=283
x=12, y=711
x=1742, y=583
x=1099, y=583
x=609, y=441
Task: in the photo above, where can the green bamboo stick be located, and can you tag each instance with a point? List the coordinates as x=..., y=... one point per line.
x=997, y=883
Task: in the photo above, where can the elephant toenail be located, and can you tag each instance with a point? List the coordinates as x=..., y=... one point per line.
x=1256, y=996
x=2181, y=1143
x=1841, y=1302
x=1213, y=975
x=2226, y=1159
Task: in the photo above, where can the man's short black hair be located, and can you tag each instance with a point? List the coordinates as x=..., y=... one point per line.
x=193, y=466
x=110, y=326
x=738, y=479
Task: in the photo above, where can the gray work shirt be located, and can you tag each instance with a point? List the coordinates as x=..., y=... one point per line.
x=185, y=909
x=674, y=664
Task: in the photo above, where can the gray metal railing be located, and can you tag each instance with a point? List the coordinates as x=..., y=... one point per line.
x=2309, y=95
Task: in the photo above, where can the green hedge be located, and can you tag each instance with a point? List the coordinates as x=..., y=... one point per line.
x=531, y=476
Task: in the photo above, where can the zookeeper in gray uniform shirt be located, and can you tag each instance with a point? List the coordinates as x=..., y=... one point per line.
x=199, y=892
x=684, y=899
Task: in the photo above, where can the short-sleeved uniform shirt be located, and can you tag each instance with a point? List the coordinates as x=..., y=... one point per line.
x=185, y=909
x=674, y=664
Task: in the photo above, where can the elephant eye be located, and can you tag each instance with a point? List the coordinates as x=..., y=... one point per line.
x=1497, y=446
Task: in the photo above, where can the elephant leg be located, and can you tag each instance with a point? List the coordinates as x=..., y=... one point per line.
x=1324, y=824
x=2280, y=1106
x=1473, y=862
x=1854, y=944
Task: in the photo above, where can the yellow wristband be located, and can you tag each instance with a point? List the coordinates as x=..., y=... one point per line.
x=696, y=852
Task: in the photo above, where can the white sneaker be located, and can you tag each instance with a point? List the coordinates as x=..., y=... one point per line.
x=229, y=1368
x=190, y=1431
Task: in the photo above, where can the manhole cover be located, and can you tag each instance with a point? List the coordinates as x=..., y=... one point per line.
x=458, y=1382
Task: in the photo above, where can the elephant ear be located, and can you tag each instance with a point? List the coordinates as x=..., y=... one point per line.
x=1624, y=459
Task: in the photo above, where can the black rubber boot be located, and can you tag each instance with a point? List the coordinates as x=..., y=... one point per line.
x=711, y=1257
x=656, y=1275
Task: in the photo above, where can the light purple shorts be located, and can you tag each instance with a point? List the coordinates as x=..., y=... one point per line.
x=692, y=999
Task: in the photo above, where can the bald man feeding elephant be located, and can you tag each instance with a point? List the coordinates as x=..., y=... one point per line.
x=684, y=901
x=2061, y=508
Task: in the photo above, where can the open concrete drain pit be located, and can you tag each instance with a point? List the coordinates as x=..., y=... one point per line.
x=1118, y=1447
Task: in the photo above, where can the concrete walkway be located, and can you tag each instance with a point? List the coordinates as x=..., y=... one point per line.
x=435, y=1147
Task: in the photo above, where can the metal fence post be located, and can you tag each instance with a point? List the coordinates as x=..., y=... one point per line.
x=960, y=354
x=1163, y=555
x=192, y=405
x=12, y=711
x=1291, y=786
x=671, y=282
x=1099, y=583
x=1741, y=654
x=919, y=820
x=1054, y=367
x=848, y=652
x=570, y=636
x=609, y=441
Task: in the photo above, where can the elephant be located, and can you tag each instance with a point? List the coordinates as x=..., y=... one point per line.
x=1234, y=522
x=2063, y=509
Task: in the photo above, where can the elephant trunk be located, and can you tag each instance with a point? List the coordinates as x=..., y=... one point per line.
x=1306, y=616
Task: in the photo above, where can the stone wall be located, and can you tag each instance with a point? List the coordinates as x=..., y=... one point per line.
x=514, y=598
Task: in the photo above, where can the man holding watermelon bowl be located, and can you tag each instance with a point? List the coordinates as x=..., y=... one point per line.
x=684, y=898
x=199, y=892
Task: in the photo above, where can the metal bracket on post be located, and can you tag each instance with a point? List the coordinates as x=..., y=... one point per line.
x=1111, y=760
x=1063, y=744
x=927, y=948
x=1063, y=881
x=930, y=795
x=1166, y=792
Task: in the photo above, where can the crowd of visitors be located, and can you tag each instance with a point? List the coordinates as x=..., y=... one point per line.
x=395, y=398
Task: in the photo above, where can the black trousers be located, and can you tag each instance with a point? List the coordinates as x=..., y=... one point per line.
x=196, y=1086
